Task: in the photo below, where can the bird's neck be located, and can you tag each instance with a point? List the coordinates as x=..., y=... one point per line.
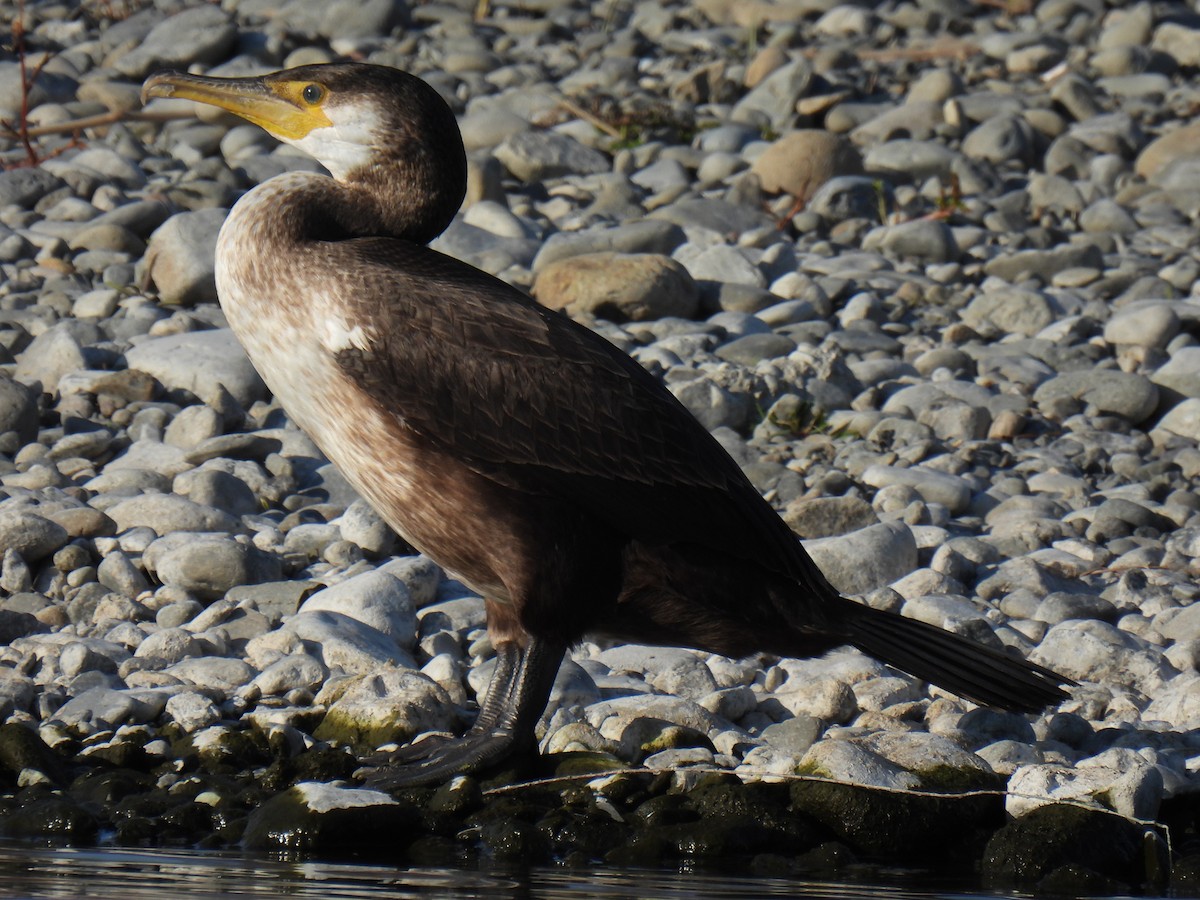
x=374, y=202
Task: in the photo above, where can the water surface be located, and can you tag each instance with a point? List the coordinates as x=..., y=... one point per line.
x=123, y=874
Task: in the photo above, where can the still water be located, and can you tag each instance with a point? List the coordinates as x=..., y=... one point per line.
x=30, y=872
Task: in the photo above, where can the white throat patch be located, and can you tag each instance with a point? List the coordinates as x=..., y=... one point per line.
x=347, y=144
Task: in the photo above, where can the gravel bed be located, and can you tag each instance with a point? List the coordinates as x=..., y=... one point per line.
x=927, y=269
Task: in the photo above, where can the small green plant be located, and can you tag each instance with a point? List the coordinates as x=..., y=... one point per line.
x=881, y=200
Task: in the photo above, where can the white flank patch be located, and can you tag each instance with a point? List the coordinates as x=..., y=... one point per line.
x=339, y=336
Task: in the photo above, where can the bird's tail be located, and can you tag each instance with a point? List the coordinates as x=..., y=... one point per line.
x=959, y=665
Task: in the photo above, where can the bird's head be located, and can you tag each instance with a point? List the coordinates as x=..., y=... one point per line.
x=368, y=124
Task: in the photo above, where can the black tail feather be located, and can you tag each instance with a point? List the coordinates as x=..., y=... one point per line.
x=959, y=665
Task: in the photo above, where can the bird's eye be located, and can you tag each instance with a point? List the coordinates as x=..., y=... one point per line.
x=313, y=94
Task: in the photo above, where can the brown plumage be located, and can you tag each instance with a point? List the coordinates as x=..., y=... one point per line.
x=521, y=451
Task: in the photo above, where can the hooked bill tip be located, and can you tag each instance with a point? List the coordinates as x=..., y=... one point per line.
x=160, y=84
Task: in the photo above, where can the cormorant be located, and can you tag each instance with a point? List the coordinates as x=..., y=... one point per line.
x=521, y=451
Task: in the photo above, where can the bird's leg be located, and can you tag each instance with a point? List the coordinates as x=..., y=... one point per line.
x=515, y=701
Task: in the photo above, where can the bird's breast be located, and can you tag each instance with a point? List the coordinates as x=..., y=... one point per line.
x=293, y=321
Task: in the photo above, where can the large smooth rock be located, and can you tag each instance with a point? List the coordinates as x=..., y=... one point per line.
x=621, y=287
x=201, y=362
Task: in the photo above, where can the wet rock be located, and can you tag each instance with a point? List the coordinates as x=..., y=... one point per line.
x=1028, y=849
x=324, y=818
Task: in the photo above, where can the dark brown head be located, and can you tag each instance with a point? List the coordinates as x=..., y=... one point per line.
x=372, y=127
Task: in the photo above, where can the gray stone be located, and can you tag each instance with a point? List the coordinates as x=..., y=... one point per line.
x=204, y=34
x=1179, y=41
x=1133, y=397
x=776, y=95
x=118, y=573
x=711, y=404
x=34, y=537
x=1128, y=784
x=324, y=818
x=26, y=186
x=297, y=671
x=1045, y=264
x=1106, y=216
x=751, y=349
x=720, y=263
x=924, y=239
x=1099, y=652
x=952, y=492
x=180, y=259
x=213, y=673
x=420, y=574
x=374, y=598
x=1010, y=311
x=865, y=559
x=849, y=763
x=914, y=159
x=16, y=693
x=191, y=711
x=219, y=490
x=720, y=216
x=1180, y=374
x=999, y=140
x=649, y=236
x=341, y=642
x=207, y=566
x=202, y=362
x=52, y=354
x=1178, y=703
x=1183, y=419
x=1143, y=325
x=104, y=708
x=538, y=155
x=169, y=646
x=166, y=513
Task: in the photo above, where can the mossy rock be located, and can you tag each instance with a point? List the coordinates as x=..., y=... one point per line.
x=646, y=736
x=392, y=706
x=891, y=824
x=582, y=762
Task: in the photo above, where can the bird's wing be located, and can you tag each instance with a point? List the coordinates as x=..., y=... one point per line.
x=535, y=401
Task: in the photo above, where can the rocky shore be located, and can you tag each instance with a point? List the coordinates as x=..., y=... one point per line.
x=927, y=269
